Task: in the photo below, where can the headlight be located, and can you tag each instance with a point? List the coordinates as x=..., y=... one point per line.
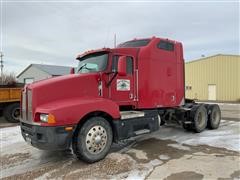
x=44, y=118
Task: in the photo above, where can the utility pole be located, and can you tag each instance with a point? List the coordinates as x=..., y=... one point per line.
x=1, y=64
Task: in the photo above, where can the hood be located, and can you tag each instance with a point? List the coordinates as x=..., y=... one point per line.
x=64, y=87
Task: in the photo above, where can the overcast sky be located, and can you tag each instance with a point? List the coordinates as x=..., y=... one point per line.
x=55, y=32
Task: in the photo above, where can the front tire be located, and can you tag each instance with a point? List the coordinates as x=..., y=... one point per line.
x=93, y=140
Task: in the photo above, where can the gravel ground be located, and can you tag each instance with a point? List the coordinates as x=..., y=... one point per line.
x=171, y=153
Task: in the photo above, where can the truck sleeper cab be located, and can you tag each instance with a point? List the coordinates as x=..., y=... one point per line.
x=114, y=94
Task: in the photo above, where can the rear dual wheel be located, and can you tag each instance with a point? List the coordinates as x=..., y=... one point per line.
x=199, y=118
x=214, y=116
x=203, y=116
x=93, y=140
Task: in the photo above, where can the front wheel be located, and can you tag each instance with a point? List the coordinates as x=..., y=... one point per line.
x=93, y=140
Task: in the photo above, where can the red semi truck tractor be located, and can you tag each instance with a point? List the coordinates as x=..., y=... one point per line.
x=114, y=94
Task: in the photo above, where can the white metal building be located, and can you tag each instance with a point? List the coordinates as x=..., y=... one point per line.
x=36, y=72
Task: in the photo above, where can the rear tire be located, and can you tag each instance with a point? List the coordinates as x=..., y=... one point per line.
x=93, y=140
x=12, y=112
x=198, y=116
x=214, y=116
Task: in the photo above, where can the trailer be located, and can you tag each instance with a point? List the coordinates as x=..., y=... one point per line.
x=10, y=102
x=113, y=94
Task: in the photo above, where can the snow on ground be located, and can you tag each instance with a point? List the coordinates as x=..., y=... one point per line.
x=180, y=146
x=226, y=136
x=137, y=174
x=219, y=103
x=9, y=136
x=164, y=157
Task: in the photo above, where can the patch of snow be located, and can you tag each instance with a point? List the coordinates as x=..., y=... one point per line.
x=138, y=153
x=146, y=169
x=226, y=136
x=180, y=146
x=164, y=157
x=9, y=136
x=47, y=175
x=142, y=170
x=231, y=104
x=156, y=162
x=135, y=175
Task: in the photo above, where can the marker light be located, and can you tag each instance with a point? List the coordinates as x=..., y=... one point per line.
x=47, y=118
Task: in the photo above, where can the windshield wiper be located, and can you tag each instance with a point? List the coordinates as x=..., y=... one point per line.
x=84, y=66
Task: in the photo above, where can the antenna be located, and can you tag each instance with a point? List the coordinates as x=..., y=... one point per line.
x=115, y=40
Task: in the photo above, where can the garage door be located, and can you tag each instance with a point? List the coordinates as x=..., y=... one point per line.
x=212, y=92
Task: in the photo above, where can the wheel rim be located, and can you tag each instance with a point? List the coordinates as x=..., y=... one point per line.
x=215, y=117
x=16, y=113
x=200, y=119
x=96, y=139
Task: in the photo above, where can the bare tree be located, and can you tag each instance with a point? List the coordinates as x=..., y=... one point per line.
x=8, y=79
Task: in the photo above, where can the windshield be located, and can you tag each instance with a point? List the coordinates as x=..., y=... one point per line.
x=93, y=63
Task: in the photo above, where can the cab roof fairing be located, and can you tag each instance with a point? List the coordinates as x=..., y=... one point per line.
x=108, y=50
x=79, y=56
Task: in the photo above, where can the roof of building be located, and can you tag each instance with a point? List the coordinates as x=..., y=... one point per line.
x=50, y=69
x=207, y=57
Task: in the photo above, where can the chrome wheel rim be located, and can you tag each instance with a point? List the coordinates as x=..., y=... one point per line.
x=96, y=139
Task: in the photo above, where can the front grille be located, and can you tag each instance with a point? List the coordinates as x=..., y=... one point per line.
x=27, y=105
x=29, y=98
x=24, y=104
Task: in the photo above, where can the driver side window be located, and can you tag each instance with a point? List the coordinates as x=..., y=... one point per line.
x=115, y=63
x=129, y=67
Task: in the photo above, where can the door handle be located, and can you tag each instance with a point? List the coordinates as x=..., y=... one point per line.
x=130, y=95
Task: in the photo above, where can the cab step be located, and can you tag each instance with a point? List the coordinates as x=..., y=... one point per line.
x=142, y=131
x=131, y=114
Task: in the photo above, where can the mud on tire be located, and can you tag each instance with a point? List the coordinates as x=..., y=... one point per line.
x=93, y=140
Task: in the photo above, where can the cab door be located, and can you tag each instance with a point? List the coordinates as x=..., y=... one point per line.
x=122, y=87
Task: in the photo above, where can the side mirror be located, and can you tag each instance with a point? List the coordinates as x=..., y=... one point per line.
x=122, y=66
x=72, y=70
